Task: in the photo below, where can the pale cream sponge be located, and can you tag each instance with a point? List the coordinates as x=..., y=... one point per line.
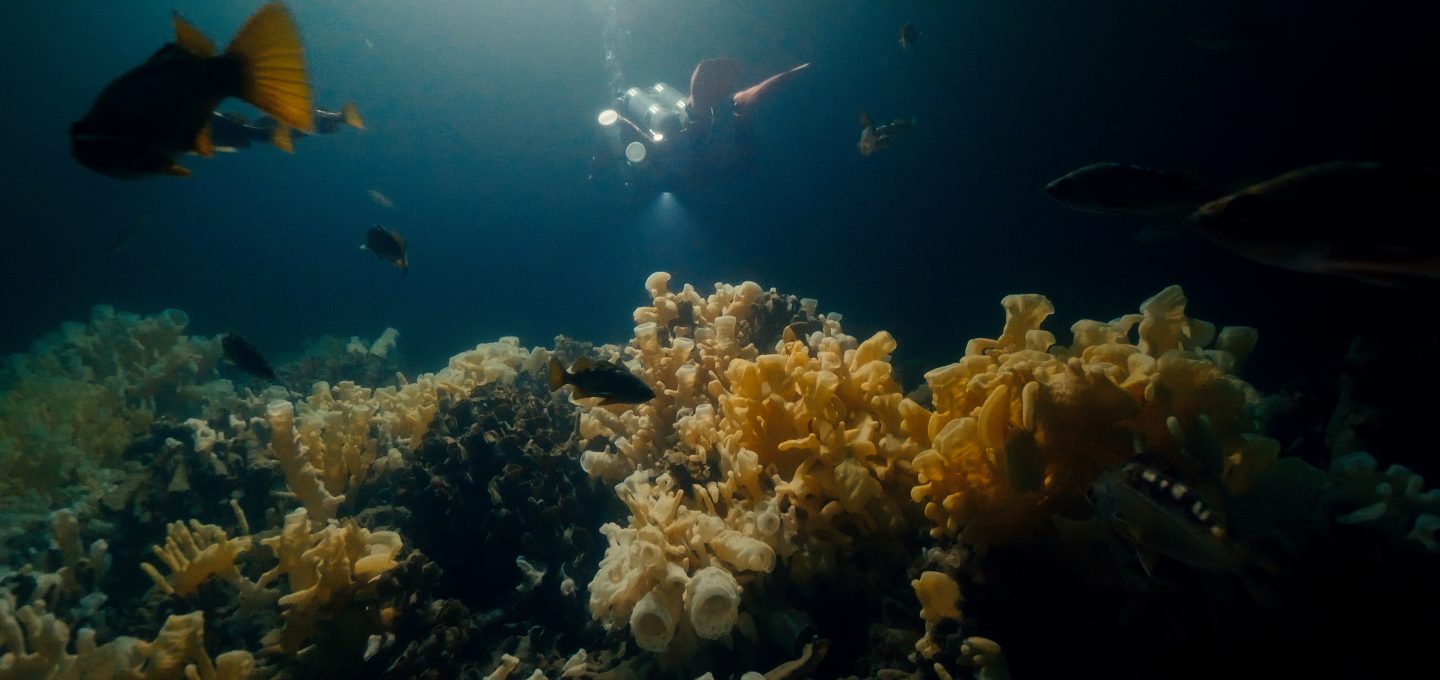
x=656, y=615
x=712, y=599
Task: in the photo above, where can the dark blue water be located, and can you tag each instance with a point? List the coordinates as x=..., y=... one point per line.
x=481, y=121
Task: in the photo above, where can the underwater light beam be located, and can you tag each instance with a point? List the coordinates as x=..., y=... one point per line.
x=665, y=212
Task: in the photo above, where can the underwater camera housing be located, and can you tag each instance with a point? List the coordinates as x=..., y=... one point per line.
x=659, y=110
x=637, y=132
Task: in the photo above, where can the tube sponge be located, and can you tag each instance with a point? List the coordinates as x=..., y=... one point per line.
x=300, y=475
x=712, y=599
x=654, y=619
x=743, y=552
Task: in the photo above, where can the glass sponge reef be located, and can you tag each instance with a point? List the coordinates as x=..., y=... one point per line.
x=783, y=506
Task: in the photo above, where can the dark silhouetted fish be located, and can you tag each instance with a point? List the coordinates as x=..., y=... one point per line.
x=388, y=246
x=245, y=357
x=1133, y=190
x=1369, y=221
x=149, y=116
x=611, y=383
x=908, y=35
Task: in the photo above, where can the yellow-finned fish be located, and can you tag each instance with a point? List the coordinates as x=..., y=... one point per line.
x=153, y=113
x=613, y=384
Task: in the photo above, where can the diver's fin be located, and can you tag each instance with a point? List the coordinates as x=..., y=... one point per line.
x=273, y=67
x=282, y=140
x=351, y=115
x=190, y=38
x=203, y=143
x=557, y=377
x=747, y=98
x=177, y=170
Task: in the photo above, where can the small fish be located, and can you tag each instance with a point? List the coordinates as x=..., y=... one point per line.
x=1369, y=221
x=908, y=35
x=245, y=357
x=1132, y=190
x=380, y=199
x=149, y=116
x=800, y=330
x=874, y=137
x=611, y=383
x=1161, y=514
x=388, y=246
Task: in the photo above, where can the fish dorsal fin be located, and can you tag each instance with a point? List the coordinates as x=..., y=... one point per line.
x=191, y=39
x=273, y=67
x=352, y=116
x=582, y=364
x=204, y=145
x=282, y=140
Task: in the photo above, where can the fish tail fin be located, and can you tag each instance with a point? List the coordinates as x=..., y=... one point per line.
x=282, y=139
x=190, y=38
x=204, y=142
x=557, y=376
x=351, y=115
x=273, y=67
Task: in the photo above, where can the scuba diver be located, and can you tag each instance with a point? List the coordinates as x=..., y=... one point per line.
x=660, y=139
x=232, y=131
